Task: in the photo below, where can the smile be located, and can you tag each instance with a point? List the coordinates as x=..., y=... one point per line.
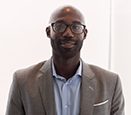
x=68, y=44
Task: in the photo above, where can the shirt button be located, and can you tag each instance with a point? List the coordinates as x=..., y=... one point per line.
x=66, y=106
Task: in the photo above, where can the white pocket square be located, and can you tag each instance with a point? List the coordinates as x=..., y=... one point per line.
x=101, y=103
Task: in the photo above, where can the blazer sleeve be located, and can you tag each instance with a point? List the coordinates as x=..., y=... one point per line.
x=118, y=100
x=14, y=105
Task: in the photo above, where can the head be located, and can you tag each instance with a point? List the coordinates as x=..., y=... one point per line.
x=67, y=31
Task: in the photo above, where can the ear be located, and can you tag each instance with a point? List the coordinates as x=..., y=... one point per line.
x=48, y=31
x=85, y=33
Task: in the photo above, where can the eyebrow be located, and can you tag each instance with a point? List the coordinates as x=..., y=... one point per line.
x=62, y=21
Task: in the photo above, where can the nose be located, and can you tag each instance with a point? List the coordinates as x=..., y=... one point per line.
x=68, y=33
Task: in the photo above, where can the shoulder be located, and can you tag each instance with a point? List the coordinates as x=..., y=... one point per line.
x=104, y=75
x=28, y=72
x=101, y=71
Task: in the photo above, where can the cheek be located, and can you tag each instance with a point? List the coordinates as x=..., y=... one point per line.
x=52, y=34
x=82, y=36
x=55, y=36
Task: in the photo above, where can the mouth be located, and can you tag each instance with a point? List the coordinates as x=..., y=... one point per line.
x=67, y=44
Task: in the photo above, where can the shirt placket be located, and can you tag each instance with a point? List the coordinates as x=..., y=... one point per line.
x=65, y=99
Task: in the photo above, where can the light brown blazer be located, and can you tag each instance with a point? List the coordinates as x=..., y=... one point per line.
x=32, y=92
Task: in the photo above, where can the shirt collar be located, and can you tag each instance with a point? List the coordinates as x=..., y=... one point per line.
x=78, y=72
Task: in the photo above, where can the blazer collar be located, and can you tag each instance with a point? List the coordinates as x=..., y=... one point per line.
x=47, y=90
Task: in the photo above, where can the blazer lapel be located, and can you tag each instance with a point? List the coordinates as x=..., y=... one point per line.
x=46, y=88
x=87, y=91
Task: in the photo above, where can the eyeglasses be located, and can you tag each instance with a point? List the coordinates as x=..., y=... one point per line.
x=60, y=27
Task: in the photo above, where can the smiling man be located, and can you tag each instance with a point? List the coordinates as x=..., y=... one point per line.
x=65, y=84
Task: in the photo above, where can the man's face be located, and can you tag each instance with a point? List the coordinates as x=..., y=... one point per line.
x=67, y=34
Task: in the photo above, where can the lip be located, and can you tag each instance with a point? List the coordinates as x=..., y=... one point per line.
x=68, y=44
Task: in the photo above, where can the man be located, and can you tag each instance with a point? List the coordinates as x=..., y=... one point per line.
x=64, y=84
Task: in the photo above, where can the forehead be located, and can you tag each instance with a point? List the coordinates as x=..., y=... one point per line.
x=68, y=15
x=68, y=20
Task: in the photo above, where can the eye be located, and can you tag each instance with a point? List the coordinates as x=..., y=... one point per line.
x=59, y=27
x=77, y=28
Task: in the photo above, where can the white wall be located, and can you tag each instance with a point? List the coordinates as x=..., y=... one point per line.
x=121, y=45
x=23, y=41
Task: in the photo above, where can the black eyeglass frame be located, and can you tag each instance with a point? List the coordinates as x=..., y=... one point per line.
x=68, y=25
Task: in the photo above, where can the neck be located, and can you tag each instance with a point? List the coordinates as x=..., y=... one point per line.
x=66, y=67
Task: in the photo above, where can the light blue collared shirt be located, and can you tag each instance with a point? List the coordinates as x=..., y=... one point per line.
x=67, y=92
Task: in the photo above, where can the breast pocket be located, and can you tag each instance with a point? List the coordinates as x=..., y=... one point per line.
x=102, y=108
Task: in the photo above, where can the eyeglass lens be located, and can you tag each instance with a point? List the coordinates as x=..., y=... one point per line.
x=61, y=27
